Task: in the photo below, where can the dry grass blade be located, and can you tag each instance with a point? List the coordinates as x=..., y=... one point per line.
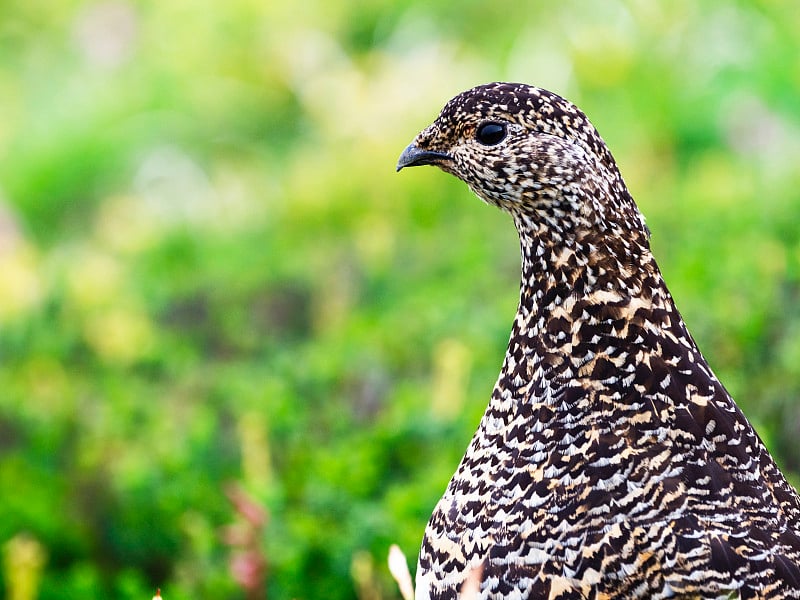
x=472, y=584
x=398, y=566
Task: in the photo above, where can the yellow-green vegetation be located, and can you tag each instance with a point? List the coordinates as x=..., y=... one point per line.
x=216, y=294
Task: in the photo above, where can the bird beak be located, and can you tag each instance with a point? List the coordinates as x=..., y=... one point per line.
x=413, y=156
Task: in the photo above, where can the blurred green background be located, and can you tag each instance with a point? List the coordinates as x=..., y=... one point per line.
x=218, y=298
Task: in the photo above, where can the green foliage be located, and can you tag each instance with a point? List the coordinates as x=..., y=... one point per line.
x=210, y=273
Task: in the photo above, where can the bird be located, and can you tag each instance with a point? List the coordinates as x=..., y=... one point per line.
x=610, y=461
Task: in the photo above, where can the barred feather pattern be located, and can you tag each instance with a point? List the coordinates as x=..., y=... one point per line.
x=610, y=461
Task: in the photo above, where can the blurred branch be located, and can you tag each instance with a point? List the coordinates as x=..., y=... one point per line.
x=23, y=562
x=248, y=561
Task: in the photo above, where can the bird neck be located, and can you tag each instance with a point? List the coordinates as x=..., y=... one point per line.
x=586, y=301
x=578, y=265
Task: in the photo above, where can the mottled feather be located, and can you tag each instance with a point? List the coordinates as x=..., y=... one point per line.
x=610, y=462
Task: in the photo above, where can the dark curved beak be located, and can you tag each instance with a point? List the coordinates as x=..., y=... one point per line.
x=413, y=156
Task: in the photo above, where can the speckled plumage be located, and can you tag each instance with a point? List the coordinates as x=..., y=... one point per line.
x=610, y=462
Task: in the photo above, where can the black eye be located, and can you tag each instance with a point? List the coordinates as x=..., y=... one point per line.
x=490, y=134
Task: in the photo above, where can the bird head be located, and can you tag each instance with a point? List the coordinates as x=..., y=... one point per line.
x=530, y=152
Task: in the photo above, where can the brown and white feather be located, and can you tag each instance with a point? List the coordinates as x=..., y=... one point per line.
x=610, y=461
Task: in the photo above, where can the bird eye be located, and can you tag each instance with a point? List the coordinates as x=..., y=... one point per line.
x=491, y=134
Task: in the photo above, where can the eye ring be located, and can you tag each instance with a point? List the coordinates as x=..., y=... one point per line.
x=491, y=133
